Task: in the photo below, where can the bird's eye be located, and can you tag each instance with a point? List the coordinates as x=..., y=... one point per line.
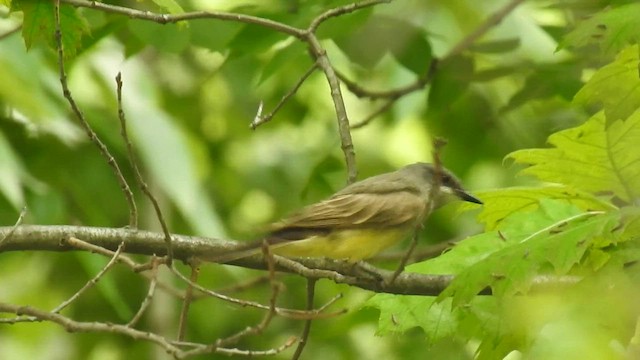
x=446, y=179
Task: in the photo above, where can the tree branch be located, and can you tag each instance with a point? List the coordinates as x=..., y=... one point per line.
x=261, y=119
x=171, y=348
x=174, y=18
x=306, y=35
x=338, y=101
x=93, y=137
x=51, y=238
x=394, y=95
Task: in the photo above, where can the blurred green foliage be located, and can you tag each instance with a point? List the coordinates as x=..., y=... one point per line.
x=191, y=90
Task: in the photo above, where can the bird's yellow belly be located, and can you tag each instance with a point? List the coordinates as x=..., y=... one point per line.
x=352, y=245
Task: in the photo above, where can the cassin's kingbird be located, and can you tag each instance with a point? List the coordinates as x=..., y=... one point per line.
x=362, y=219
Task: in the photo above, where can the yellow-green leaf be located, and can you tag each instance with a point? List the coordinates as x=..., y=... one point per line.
x=611, y=29
x=39, y=25
x=591, y=157
x=615, y=87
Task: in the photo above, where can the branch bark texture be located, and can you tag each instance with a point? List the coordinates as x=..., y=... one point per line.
x=52, y=238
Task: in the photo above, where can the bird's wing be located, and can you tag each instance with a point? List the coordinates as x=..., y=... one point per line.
x=343, y=211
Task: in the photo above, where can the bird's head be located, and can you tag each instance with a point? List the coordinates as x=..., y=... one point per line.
x=450, y=186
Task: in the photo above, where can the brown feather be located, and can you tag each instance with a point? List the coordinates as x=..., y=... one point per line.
x=364, y=218
x=348, y=211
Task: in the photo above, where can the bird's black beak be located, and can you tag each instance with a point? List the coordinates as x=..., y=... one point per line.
x=468, y=197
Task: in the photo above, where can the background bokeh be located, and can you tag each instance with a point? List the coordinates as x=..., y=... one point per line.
x=190, y=92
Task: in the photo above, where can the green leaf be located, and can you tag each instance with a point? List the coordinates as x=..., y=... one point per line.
x=450, y=82
x=20, y=78
x=500, y=204
x=402, y=313
x=170, y=5
x=224, y=32
x=437, y=318
x=38, y=26
x=10, y=176
x=465, y=254
x=610, y=29
x=416, y=55
x=631, y=229
x=615, y=87
x=382, y=35
x=547, y=81
x=496, y=46
x=510, y=270
x=169, y=154
x=399, y=314
x=21, y=89
x=168, y=37
x=285, y=59
x=253, y=40
x=493, y=73
x=318, y=182
x=591, y=157
x=517, y=227
x=344, y=26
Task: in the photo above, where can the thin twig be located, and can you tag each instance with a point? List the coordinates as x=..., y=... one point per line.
x=434, y=192
x=332, y=301
x=288, y=313
x=275, y=285
x=6, y=236
x=407, y=254
x=133, y=210
x=81, y=244
x=374, y=114
x=394, y=95
x=147, y=299
x=311, y=288
x=91, y=283
x=284, y=312
x=136, y=267
x=391, y=95
x=341, y=11
x=428, y=252
x=266, y=320
x=104, y=151
x=114, y=259
x=136, y=169
x=261, y=119
x=253, y=353
x=257, y=120
x=80, y=326
x=307, y=35
x=490, y=22
x=196, y=15
x=200, y=349
x=323, y=62
x=245, y=285
x=171, y=349
x=186, y=303
x=346, y=141
x=39, y=238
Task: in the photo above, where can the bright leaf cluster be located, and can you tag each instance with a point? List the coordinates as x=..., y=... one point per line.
x=581, y=225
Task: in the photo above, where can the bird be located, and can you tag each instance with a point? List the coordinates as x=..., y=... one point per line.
x=363, y=219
